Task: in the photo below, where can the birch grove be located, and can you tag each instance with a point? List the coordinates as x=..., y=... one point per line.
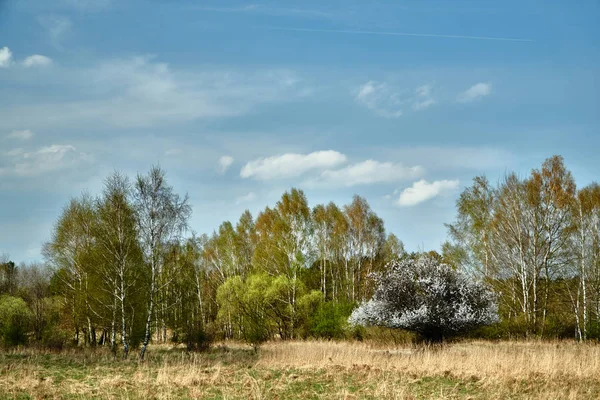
x=121, y=273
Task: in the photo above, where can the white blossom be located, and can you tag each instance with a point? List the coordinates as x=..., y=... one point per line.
x=427, y=297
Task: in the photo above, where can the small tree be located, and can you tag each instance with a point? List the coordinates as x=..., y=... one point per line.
x=426, y=296
x=15, y=320
x=245, y=305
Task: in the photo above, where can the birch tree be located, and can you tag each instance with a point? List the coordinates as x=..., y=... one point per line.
x=284, y=243
x=71, y=253
x=162, y=215
x=122, y=263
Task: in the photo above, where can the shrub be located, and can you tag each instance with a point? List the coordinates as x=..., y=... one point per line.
x=197, y=339
x=428, y=297
x=330, y=320
x=15, y=321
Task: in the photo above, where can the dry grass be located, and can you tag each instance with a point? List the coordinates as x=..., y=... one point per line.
x=470, y=370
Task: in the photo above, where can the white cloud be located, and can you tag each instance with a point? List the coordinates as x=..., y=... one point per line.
x=58, y=26
x=140, y=92
x=37, y=60
x=44, y=160
x=378, y=98
x=475, y=92
x=224, y=163
x=422, y=191
x=20, y=135
x=5, y=57
x=389, y=102
x=14, y=152
x=248, y=198
x=423, y=98
x=367, y=172
x=291, y=165
x=437, y=158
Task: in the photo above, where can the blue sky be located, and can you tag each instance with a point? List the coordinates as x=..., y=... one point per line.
x=402, y=102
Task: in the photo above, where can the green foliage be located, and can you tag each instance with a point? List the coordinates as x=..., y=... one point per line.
x=243, y=307
x=259, y=307
x=8, y=275
x=195, y=337
x=15, y=320
x=330, y=321
x=55, y=337
x=119, y=260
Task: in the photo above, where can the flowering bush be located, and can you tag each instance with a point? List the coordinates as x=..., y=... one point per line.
x=427, y=297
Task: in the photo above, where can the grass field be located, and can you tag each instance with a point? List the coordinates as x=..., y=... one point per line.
x=310, y=370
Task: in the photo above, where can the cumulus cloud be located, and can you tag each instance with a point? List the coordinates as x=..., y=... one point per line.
x=20, y=135
x=224, y=163
x=37, y=60
x=475, y=92
x=367, y=172
x=41, y=161
x=5, y=57
x=291, y=165
x=422, y=191
x=248, y=198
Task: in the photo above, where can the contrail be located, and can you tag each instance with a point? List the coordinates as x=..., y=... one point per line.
x=429, y=35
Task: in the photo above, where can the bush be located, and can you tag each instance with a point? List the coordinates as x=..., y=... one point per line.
x=427, y=297
x=15, y=321
x=196, y=338
x=330, y=321
x=55, y=338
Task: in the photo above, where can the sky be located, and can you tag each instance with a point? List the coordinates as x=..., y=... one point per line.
x=401, y=102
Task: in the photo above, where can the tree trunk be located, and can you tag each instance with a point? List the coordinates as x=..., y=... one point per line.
x=148, y=331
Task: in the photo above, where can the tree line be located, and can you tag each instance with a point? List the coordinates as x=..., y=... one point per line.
x=536, y=241
x=121, y=269
x=122, y=273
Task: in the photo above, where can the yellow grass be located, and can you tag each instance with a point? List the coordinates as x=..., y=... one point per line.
x=282, y=370
x=499, y=361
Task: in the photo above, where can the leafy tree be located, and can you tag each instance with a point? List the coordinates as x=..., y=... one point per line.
x=586, y=247
x=34, y=285
x=366, y=240
x=162, y=217
x=185, y=297
x=122, y=267
x=427, y=297
x=393, y=249
x=519, y=238
x=15, y=320
x=8, y=274
x=71, y=252
x=245, y=305
x=284, y=245
x=330, y=320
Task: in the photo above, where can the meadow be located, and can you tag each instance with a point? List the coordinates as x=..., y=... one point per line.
x=311, y=370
